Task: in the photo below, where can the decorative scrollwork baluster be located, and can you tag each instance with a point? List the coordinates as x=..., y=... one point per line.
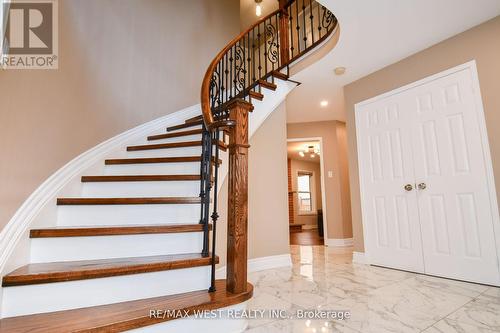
x=272, y=50
x=239, y=69
x=328, y=19
x=215, y=90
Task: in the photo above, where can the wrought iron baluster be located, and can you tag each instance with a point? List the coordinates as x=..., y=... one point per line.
x=215, y=214
x=249, y=63
x=253, y=55
x=319, y=23
x=277, y=22
x=205, y=181
x=290, y=14
x=259, y=43
x=297, y=25
x=311, y=17
x=304, y=30
x=265, y=47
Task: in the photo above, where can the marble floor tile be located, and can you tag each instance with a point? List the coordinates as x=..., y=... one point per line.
x=302, y=326
x=450, y=326
x=304, y=293
x=379, y=299
x=265, y=301
x=270, y=276
x=483, y=311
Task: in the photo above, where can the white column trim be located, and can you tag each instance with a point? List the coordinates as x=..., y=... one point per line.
x=339, y=242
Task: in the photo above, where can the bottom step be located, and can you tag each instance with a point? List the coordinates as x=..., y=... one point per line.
x=124, y=316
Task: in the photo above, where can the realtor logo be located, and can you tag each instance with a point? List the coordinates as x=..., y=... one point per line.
x=30, y=37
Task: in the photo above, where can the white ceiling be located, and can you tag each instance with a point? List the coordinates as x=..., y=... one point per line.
x=293, y=149
x=373, y=35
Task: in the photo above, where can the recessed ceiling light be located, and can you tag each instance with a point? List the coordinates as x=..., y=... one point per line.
x=339, y=70
x=323, y=103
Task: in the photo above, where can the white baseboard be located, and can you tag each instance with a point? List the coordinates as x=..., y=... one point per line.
x=260, y=264
x=309, y=227
x=339, y=242
x=359, y=258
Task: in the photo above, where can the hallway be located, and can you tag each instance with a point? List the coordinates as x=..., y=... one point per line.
x=379, y=299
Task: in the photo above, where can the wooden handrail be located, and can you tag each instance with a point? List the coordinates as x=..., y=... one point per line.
x=205, y=86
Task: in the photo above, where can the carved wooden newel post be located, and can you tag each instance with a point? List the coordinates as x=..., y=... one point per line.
x=237, y=222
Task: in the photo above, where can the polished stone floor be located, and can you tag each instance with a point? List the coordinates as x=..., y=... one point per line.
x=378, y=299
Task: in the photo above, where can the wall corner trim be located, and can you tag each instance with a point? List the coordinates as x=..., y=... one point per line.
x=339, y=242
x=359, y=258
x=261, y=263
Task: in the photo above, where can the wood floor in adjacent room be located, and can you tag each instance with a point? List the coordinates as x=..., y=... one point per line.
x=306, y=237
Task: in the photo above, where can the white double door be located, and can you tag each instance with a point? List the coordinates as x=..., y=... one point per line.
x=426, y=196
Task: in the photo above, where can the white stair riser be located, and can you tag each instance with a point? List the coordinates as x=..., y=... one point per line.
x=48, y=297
x=196, y=137
x=127, y=214
x=192, y=324
x=141, y=189
x=54, y=249
x=187, y=168
x=167, y=152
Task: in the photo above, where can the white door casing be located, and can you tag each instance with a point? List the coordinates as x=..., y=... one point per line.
x=457, y=212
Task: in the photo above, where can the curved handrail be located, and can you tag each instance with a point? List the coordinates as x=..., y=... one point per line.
x=205, y=86
x=300, y=10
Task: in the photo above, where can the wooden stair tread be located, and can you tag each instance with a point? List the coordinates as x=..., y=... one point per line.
x=92, y=269
x=139, y=178
x=256, y=95
x=146, y=160
x=267, y=84
x=199, y=117
x=128, y=201
x=123, y=316
x=279, y=75
x=222, y=145
x=185, y=125
x=174, y=135
x=115, y=230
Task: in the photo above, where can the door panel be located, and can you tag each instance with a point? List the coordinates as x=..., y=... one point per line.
x=457, y=225
x=391, y=213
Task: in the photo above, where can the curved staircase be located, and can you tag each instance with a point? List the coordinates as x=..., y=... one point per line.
x=138, y=237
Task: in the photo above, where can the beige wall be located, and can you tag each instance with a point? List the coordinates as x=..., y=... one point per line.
x=267, y=192
x=299, y=165
x=122, y=63
x=481, y=43
x=338, y=210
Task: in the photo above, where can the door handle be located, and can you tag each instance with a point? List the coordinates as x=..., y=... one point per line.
x=408, y=187
x=422, y=186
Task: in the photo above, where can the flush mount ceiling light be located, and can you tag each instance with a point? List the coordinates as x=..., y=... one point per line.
x=339, y=70
x=323, y=103
x=311, y=150
x=258, y=7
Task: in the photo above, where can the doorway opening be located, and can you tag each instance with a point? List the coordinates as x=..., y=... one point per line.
x=305, y=192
